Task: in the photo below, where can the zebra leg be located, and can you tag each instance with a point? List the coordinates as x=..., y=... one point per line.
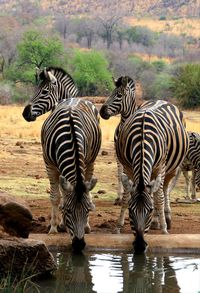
x=120, y=189
x=187, y=181
x=167, y=206
x=193, y=184
x=54, y=198
x=173, y=182
x=124, y=205
x=155, y=225
x=167, y=189
x=87, y=227
x=159, y=208
x=88, y=176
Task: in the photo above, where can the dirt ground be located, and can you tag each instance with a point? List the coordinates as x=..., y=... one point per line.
x=185, y=216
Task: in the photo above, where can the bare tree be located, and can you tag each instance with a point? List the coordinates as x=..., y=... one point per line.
x=63, y=25
x=8, y=41
x=86, y=28
x=109, y=18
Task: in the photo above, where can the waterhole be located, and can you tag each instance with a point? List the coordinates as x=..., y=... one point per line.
x=123, y=272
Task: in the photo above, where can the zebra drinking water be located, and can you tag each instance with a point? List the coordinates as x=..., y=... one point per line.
x=71, y=139
x=150, y=145
x=54, y=86
x=121, y=101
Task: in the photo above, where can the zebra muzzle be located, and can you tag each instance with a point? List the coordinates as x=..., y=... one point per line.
x=28, y=114
x=78, y=244
x=104, y=112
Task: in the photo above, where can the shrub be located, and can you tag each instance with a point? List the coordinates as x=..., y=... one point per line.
x=186, y=85
x=90, y=71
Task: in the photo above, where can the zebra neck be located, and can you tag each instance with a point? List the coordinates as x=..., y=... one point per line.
x=130, y=111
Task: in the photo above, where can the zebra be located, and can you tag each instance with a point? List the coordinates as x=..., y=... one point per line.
x=55, y=85
x=151, y=145
x=123, y=101
x=71, y=139
x=190, y=163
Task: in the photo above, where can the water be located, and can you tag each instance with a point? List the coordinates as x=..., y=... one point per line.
x=123, y=272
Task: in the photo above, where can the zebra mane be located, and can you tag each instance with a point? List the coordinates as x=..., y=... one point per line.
x=119, y=82
x=141, y=178
x=80, y=187
x=57, y=71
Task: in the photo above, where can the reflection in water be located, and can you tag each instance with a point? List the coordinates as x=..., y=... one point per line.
x=115, y=273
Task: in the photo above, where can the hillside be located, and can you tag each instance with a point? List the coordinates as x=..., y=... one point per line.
x=169, y=8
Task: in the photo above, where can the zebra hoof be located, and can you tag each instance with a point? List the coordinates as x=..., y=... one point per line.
x=53, y=230
x=61, y=228
x=155, y=226
x=117, y=230
x=169, y=225
x=118, y=202
x=87, y=230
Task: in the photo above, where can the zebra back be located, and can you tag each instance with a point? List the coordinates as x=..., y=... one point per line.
x=150, y=136
x=71, y=138
x=55, y=85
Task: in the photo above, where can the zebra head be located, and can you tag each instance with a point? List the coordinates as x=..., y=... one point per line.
x=54, y=86
x=122, y=99
x=140, y=209
x=76, y=206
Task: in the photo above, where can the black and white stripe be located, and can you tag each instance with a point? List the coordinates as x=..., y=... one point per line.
x=121, y=101
x=190, y=163
x=71, y=139
x=151, y=145
x=55, y=85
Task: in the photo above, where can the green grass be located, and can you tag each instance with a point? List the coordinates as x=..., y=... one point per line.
x=24, y=187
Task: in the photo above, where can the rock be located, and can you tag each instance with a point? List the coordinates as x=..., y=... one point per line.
x=101, y=191
x=23, y=258
x=16, y=219
x=104, y=153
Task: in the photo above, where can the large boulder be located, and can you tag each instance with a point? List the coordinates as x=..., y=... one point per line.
x=24, y=258
x=16, y=219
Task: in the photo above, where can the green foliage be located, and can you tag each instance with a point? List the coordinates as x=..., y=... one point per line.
x=159, y=65
x=186, y=85
x=142, y=35
x=90, y=71
x=162, y=17
x=139, y=65
x=35, y=50
x=162, y=86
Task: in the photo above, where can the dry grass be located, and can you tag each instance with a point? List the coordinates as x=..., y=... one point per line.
x=13, y=126
x=22, y=169
x=189, y=27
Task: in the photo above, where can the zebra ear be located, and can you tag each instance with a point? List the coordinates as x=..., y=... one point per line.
x=155, y=184
x=114, y=80
x=51, y=77
x=124, y=81
x=127, y=184
x=91, y=184
x=37, y=73
x=65, y=184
